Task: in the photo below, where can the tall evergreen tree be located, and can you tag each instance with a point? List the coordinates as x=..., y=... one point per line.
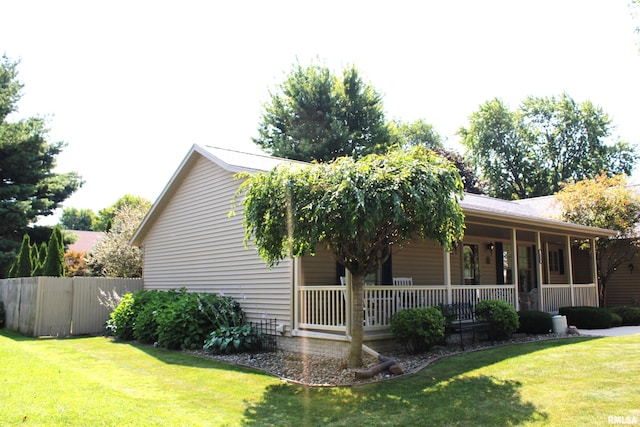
x=24, y=265
x=29, y=188
x=54, y=264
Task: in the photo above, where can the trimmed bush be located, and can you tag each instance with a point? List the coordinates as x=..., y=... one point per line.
x=122, y=319
x=534, y=322
x=149, y=305
x=630, y=315
x=502, y=316
x=590, y=317
x=417, y=329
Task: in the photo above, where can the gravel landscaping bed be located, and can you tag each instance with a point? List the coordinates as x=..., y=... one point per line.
x=328, y=371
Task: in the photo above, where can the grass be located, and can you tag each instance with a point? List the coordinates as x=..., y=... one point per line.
x=96, y=381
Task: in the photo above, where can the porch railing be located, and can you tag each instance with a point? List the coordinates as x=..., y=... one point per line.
x=325, y=307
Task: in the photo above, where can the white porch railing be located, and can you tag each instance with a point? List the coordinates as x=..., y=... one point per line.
x=556, y=296
x=325, y=307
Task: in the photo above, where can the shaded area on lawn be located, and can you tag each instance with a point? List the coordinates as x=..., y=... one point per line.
x=444, y=393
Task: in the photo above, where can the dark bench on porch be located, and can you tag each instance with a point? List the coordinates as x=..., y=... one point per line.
x=460, y=318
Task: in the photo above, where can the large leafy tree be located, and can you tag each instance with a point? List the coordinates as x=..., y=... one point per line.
x=28, y=186
x=604, y=202
x=78, y=219
x=360, y=209
x=106, y=215
x=314, y=115
x=545, y=142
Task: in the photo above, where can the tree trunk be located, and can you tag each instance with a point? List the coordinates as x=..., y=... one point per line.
x=356, y=316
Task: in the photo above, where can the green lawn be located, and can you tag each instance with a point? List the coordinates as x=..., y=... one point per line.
x=95, y=381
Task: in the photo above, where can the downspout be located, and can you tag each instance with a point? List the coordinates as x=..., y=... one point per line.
x=296, y=292
x=516, y=273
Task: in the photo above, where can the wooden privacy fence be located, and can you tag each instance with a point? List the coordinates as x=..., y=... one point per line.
x=59, y=306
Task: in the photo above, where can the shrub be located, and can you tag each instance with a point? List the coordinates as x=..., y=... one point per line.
x=630, y=315
x=417, y=329
x=122, y=319
x=589, y=317
x=534, y=322
x=502, y=316
x=150, y=304
x=187, y=322
x=234, y=339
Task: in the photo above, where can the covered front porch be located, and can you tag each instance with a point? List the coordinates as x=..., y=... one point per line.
x=531, y=268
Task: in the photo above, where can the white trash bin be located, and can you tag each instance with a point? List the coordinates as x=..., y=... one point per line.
x=559, y=324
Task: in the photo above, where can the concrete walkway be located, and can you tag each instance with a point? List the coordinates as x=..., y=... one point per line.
x=611, y=332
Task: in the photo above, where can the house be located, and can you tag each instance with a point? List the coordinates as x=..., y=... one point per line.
x=86, y=240
x=510, y=252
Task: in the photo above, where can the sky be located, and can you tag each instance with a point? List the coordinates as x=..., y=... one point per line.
x=130, y=86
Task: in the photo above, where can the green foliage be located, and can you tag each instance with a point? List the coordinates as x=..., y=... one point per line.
x=173, y=319
x=106, y=216
x=584, y=317
x=417, y=329
x=188, y=322
x=502, y=316
x=29, y=188
x=630, y=315
x=42, y=257
x=234, y=339
x=78, y=219
x=24, y=266
x=149, y=305
x=534, y=322
x=547, y=141
x=54, y=263
x=359, y=209
x=314, y=115
x=122, y=319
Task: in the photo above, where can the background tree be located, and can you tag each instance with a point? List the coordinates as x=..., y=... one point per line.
x=54, y=263
x=24, y=266
x=360, y=209
x=417, y=133
x=106, y=215
x=78, y=219
x=547, y=141
x=604, y=202
x=75, y=264
x=112, y=255
x=314, y=115
x=28, y=186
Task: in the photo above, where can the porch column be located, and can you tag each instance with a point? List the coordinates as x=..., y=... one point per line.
x=296, y=291
x=539, y=271
x=594, y=267
x=348, y=278
x=447, y=275
x=569, y=268
x=515, y=275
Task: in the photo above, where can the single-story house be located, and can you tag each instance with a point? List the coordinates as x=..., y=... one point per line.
x=509, y=252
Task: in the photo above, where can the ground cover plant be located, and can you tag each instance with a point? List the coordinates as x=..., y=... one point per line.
x=101, y=381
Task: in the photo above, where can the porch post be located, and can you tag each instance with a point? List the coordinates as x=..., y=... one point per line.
x=539, y=271
x=296, y=291
x=569, y=267
x=447, y=275
x=348, y=278
x=515, y=275
x=594, y=263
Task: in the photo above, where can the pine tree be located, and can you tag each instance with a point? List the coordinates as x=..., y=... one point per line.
x=24, y=266
x=35, y=257
x=54, y=264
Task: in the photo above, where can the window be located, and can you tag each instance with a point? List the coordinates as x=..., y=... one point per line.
x=470, y=264
x=556, y=261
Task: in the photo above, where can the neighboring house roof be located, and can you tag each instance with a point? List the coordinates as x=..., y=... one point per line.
x=86, y=240
x=237, y=161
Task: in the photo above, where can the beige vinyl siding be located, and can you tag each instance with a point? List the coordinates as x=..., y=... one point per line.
x=193, y=243
x=319, y=270
x=421, y=260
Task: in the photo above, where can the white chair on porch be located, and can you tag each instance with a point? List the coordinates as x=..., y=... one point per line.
x=402, y=297
x=367, y=307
